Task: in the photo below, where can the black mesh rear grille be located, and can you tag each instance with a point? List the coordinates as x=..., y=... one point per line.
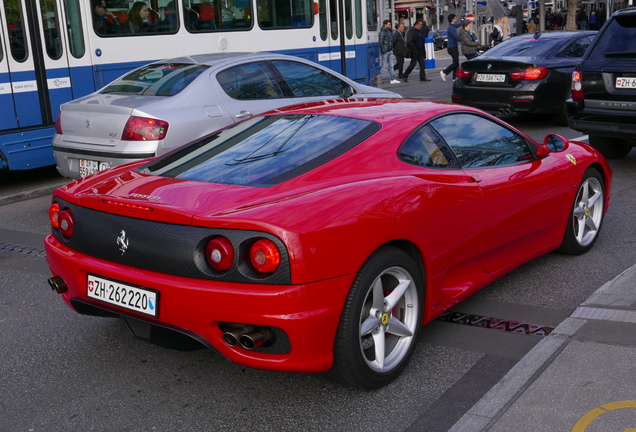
x=172, y=249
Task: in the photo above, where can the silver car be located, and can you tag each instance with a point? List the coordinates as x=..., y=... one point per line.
x=165, y=104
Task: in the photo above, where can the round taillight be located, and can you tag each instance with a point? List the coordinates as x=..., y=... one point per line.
x=54, y=215
x=66, y=223
x=265, y=256
x=219, y=253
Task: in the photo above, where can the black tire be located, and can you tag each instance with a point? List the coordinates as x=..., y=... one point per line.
x=375, y=340
x=611, y=148
x=561, y=117
x=586, y=216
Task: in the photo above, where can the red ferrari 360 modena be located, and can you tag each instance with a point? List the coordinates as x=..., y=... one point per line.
x=321, y=236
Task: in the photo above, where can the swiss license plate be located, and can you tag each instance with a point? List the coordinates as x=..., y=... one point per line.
x=125, y=296
x=88, y=167
x=491, y=78
x=626, y=83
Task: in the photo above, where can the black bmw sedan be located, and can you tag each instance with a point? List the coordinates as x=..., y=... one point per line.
x=530, y=73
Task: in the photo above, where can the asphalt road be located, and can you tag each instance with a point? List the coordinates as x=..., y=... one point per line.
x=63, y=371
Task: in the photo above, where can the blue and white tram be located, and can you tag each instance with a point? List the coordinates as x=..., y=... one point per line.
x=53, y=51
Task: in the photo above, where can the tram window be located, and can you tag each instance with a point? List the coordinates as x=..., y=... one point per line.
x=333, y=18
x=284, y=13
x=372, y=14
x=114, y=19
x=249, y=81
x=219, y=15
x=359, y=25
x=322, y=10
x=50, y=26
x=348, y=19
x=305, y=80
x=17, y=36
x=74, y=28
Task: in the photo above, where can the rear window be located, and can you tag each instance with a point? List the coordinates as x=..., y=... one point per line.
x=162, y=79
x=264, y=150
x=618, y=40
x=524, y=46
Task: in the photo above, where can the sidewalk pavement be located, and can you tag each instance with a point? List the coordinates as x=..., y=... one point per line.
x=582, y=377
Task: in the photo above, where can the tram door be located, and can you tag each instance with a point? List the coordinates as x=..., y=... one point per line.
x=341, y=36
x=34, y=79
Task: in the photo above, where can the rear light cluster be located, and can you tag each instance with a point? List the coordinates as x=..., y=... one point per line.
x=264, y=256
x=58, y=124
x=532, y=73
x=577, y=86
x=144, y=129
x=61, y=220
x=463, y=73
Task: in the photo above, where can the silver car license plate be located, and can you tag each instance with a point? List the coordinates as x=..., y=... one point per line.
x=625, y=83
x=491, y=78
x=125, y=296
x=88, y=167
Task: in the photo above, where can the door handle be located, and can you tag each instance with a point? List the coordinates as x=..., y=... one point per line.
x=243, y=114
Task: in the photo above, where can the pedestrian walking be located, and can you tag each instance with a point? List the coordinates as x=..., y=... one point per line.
x=386, y=49
x=453, y=46
x=399, y=49
x=415, y=44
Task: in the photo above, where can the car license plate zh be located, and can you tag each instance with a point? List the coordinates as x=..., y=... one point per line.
x=491, y=78
x=125, y=296
x=625, y=83
x=88, y=167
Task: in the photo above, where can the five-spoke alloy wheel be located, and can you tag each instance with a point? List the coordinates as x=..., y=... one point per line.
x=380, y=321
x=587, y=214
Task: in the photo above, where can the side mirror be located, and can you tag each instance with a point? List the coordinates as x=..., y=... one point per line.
x=551, y=144
x=347, y=92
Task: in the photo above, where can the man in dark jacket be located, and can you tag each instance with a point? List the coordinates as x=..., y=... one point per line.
x=386, y=49
x=415, y=44
x=399, y=49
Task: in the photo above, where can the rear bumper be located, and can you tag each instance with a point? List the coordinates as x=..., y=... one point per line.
x=609, y=123
x=308, y=314
x=67, y=157
x=525, y=98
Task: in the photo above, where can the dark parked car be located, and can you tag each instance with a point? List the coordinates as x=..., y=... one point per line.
x=439, y=39
x=603, y=103
x=525, y=74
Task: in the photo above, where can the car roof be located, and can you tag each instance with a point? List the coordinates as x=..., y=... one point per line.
x=416, y=110
x=215, y=59
x=626, y=11
x=558, y=34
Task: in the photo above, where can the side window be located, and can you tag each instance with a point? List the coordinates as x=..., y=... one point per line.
x=274, y=14
x=305, y=80
x=17, y=35
x=481, y=142
x=118, y=18
x=50, y=28
x=577, y=48
x=249, y=81
x=425, y=148
x=74, y=28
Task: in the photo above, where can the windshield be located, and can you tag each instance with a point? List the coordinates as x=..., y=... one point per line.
x=162, y=79
x=524, y=46
x=618, y=40
x=264, y=150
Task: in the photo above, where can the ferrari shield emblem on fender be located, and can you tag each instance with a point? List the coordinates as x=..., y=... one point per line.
x=571, y=158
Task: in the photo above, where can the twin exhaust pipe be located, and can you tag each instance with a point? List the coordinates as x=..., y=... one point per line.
x=248, y=336
x=506, y=111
